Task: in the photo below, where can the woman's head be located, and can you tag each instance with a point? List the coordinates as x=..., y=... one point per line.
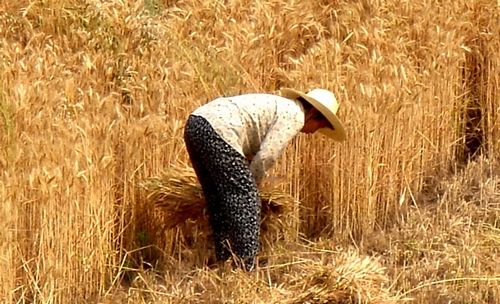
x=313, y=119
x=325, y=103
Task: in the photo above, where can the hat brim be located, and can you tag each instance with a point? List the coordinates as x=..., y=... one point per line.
x=338, y=132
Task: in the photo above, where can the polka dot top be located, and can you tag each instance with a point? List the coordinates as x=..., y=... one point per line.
x=258, y=126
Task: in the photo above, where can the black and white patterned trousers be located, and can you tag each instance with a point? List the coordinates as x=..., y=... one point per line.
x=230, y=191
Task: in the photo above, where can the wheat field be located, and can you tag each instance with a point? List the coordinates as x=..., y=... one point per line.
x=93, y=99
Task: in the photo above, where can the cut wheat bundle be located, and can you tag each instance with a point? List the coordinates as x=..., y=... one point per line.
x=178, y=194
x=348, y=278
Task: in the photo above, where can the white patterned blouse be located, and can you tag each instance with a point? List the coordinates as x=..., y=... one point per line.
x=258, y=126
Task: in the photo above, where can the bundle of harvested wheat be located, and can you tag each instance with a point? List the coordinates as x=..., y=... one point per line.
x=348, y=278
x=178, y=194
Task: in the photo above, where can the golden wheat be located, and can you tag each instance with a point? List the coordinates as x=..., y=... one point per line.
x=177, y=194
x=94, y=94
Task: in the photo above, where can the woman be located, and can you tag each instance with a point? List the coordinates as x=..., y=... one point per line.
x=232, y=141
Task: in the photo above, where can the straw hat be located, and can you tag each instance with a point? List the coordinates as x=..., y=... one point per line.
x=325, y=102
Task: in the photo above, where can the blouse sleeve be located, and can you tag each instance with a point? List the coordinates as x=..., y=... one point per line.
x=287, y=124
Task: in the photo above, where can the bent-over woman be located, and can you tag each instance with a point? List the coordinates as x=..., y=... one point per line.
x=233, y=141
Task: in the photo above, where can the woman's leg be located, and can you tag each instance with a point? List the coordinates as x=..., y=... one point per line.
x=229, y=187
x=197, y=150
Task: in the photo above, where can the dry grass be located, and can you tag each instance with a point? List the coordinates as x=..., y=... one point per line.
x=93, y=97
x=447, y=251
x=317, y=274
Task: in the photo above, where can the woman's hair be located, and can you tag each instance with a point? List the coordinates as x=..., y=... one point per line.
x=307, y=106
